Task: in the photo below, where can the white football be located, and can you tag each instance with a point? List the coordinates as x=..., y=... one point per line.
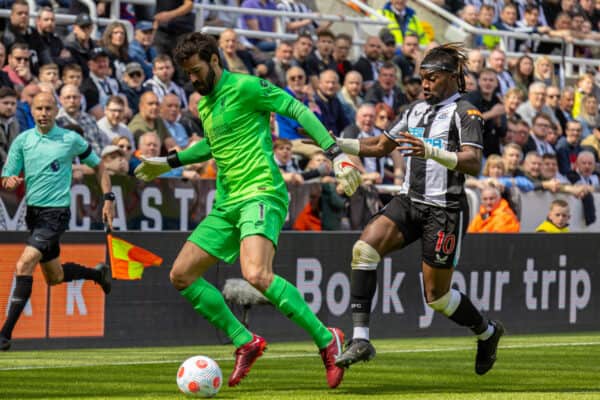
x=199, y=376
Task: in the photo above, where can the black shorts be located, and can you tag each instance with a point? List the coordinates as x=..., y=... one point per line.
x=440, y=229
x=46, y=225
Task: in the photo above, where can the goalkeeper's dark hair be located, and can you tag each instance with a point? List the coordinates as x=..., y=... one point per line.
x=196, y=43
x=449, y=57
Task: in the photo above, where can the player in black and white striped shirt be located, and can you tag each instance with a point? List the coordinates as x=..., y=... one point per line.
x=442, y=140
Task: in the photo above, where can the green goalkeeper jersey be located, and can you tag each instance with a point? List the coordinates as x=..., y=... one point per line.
x=235, y=117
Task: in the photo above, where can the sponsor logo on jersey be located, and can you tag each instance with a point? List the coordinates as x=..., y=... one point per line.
x=55, y=166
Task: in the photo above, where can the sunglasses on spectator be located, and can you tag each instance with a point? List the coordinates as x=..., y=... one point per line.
x=135, y=74
x=122, y=146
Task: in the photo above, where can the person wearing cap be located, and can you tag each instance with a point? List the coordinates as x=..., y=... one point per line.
x=99, y=85
x=115, y=160
x=110, y=125
x=80, y=43
x=17, y=29
x=131, y=85
x=141, y=49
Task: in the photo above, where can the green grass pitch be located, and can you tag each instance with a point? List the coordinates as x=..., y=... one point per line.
x=528, y=367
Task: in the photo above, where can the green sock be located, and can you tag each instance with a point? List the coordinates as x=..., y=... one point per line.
x=290, y=302
x=209, y=302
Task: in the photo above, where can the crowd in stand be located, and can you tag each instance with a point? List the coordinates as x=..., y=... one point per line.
x=129, y=100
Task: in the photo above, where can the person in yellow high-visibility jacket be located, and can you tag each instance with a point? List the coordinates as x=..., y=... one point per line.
x=403, y=19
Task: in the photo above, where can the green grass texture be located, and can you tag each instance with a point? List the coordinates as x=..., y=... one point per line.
x=528, y=367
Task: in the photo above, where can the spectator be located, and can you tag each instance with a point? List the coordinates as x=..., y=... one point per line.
x=141, y=49
x=126, y=145
x=115, y=160
x=523, y=73
x=172, y=19
x=148, y=119
x=189, y=118
x=132, y=85
x=535, y=104
x=495, y=216
x=410, y=55
x=385, y=89
x=569, y=147
x=512, y=154
x=293, y=25
x=278, y=65
x=72, y=74
x=585, y=86
x=413, y=88
x=564, y=112
x=24, y=106
x=543, y=71
x=18, y=67
x=369, y=63
x=558, y=218
x=469, y=14
x=384, y=115
x=162, y=81
x=9, y=126
x=46, y=43
x=259, y=22
x=349, y=95
x=584, y=175
x=111, y=125
x=290, y=170
x=289, y=128
x=234, y=58
x=70, y=113
x=98, y=86
x=170, y=113
x=475, y=62
x=486, y=100
x=332, y=203
x=49, y=74
x=79, y=42
x=4, y=78
x=531, y=169
x=592, y=143
x=588, y=116
x=494, y=174
x=497, y=61
x=302, y=49
x=149, y=145
x=512, y=101
x=309, y=218
x=542, y=123
x=403, y=20
x=322, y=57
x=17, y=29
x=389, y=50
x=487, y=16
x=549, y=169
x=341, y=50
x=552, y=100
x=332, y=113
x=116, y=45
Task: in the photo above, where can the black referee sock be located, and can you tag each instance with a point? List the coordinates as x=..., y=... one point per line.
x=362, y=289
x=19, y=299
x=467, y=315
x=73, y=271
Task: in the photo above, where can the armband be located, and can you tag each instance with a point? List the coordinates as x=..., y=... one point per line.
x=173, y=160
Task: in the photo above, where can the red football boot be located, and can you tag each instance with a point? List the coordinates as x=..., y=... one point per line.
x=335, y=374
x=245, y=356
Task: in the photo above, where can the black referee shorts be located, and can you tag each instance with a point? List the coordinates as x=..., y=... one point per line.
x=46, y=225
x=440, y=229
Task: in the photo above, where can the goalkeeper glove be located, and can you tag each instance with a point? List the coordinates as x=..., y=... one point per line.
x=151, y=168
x=345, y=171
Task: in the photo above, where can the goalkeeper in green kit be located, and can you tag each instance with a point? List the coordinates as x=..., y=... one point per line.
x=251, y=202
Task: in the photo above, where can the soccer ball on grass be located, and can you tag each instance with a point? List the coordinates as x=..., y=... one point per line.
x=199, y=376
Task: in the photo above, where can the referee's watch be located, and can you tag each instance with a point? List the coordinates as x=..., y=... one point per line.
x=110, y=196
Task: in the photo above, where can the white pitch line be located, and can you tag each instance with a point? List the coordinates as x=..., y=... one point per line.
x=287, y=356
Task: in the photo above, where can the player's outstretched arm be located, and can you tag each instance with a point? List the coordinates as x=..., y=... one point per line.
x=377, y=146
x=153, y=167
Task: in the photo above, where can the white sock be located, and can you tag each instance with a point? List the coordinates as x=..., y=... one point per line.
x=360, y=332
x=485, y=335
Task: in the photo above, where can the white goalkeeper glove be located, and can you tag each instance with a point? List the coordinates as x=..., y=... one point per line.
x=151, y=168
x=346, y=173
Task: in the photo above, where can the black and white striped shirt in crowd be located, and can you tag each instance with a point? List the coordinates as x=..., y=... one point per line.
x=449, y=124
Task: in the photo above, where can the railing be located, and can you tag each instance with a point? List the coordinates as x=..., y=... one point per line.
x=567, y=61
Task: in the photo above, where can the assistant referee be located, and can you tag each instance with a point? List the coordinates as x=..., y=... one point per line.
x=45, y=155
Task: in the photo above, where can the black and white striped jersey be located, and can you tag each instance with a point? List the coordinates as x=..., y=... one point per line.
x=449, y=124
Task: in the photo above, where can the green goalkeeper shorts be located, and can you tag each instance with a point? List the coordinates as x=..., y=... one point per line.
x=221, y=232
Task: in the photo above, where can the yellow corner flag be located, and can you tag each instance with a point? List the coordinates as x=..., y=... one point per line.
x=128, y=260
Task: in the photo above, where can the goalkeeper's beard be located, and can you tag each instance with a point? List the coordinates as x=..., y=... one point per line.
x=204, y=88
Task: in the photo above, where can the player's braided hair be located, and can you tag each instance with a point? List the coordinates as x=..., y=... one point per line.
x=196, y=43
x=449, y=57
